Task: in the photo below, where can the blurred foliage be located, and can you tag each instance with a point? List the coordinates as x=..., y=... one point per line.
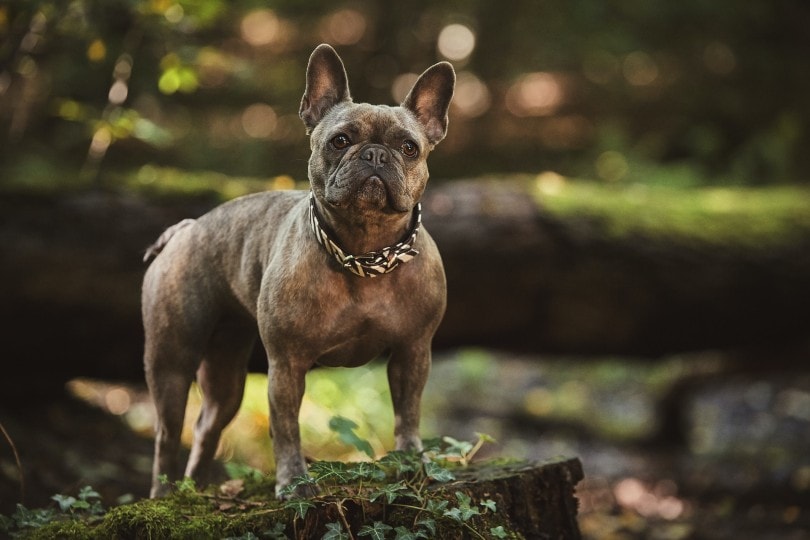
x=750, y=217
x=593, y=89
x=358, y=395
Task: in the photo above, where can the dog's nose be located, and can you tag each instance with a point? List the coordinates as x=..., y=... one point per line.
x=376, y=155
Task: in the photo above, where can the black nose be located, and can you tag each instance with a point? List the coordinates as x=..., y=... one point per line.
x=376, y=155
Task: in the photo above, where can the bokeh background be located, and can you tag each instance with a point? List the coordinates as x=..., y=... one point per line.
x=644, y=134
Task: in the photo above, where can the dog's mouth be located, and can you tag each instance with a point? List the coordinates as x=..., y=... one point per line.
x=374, y=192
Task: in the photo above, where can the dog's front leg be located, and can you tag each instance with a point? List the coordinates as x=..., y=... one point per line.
x=408, y=370
x=286, y=382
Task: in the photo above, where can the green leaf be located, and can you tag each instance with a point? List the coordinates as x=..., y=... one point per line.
x=88, y=493
x=404, y=534
x=429, y=524
x=276, y=533
x=65, y=502
x=334, y=531
x=298, y=481
x=330, y=471
x=345, y=427
x=301, y=507
x=366, y=471
x=391, y=492
x=436, y=472
x=376, y=531
x=242, y=471
x=455, y=514
x=32, y=518
x=498, y=532
x=464, y=511
x=436, y=507
x=434, y=444
x=456, y=448
x=401, y=462
x=463, y=499
x=490, y=505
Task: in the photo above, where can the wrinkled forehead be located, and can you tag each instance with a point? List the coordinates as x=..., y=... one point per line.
x=376, y=123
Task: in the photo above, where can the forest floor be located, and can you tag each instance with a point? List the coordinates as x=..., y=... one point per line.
x=743, y=470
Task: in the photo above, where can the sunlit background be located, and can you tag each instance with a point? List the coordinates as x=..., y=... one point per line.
x=658, y=116
x=609, y=91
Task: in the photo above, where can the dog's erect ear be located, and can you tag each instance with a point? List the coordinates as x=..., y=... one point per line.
x=327, y=85
x=430, y=98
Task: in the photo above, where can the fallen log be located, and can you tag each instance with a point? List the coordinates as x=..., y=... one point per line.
x=520, y=277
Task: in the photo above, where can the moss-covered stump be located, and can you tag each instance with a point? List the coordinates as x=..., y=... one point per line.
x=482, y=500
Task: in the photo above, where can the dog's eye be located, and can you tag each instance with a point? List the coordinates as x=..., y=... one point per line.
x=409, y=148
x=341, y=142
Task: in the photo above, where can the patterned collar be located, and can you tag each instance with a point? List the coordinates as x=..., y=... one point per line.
x=373, y=263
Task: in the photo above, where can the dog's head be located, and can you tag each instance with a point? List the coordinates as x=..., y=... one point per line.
x=371, y=158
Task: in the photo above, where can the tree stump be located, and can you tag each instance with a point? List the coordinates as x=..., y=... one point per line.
x=535, y=500
x=484, y=500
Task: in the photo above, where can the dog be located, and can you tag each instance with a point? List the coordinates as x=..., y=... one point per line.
x=336, y=276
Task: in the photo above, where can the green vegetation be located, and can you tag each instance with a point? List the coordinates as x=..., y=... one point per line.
x=405, y=492
x=741, y=216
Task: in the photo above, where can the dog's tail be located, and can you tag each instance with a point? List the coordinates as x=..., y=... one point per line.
x=153, y=250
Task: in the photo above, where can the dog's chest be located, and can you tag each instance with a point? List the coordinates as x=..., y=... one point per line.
x=346, y=322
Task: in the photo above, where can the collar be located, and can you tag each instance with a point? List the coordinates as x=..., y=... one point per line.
x=373, y=263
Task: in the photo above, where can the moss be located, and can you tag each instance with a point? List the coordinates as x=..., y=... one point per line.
x=68, y=530
x=735, y=216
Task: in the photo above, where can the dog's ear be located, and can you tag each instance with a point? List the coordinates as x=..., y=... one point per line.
x=430, y=98
x=327, y=85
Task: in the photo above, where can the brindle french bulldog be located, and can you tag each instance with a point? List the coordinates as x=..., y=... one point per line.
x=336, y=276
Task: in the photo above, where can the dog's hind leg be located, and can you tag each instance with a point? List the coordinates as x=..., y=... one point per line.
x=168, y=383
x=221, y=378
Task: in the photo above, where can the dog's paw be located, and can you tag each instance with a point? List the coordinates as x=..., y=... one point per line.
x=299, y=491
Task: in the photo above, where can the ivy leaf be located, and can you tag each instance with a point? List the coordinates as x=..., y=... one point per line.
x=88, y=493
x=498, y=532
x=404, y=534
x=428, y=524
x=464, y=511
x=301, y=507
x=334, y=531
x=391, y=492
x=463, y=499
x=330, y=471
x=436, y=472
x=490, y=505
x=65, y=502
x=434, y=444
x=376, y=531
x=345, y=430
x=457, y=448
x=455, y=514
x=276, y=533
x=401, y=462
x=436, y=507
x=298, y=481
x=366, y=471
x=483, y=437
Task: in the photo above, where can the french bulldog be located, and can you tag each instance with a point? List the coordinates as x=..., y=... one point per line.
x=336, y=276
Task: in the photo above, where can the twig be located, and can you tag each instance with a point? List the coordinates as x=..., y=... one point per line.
x=339, y=505
x=17, y=459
